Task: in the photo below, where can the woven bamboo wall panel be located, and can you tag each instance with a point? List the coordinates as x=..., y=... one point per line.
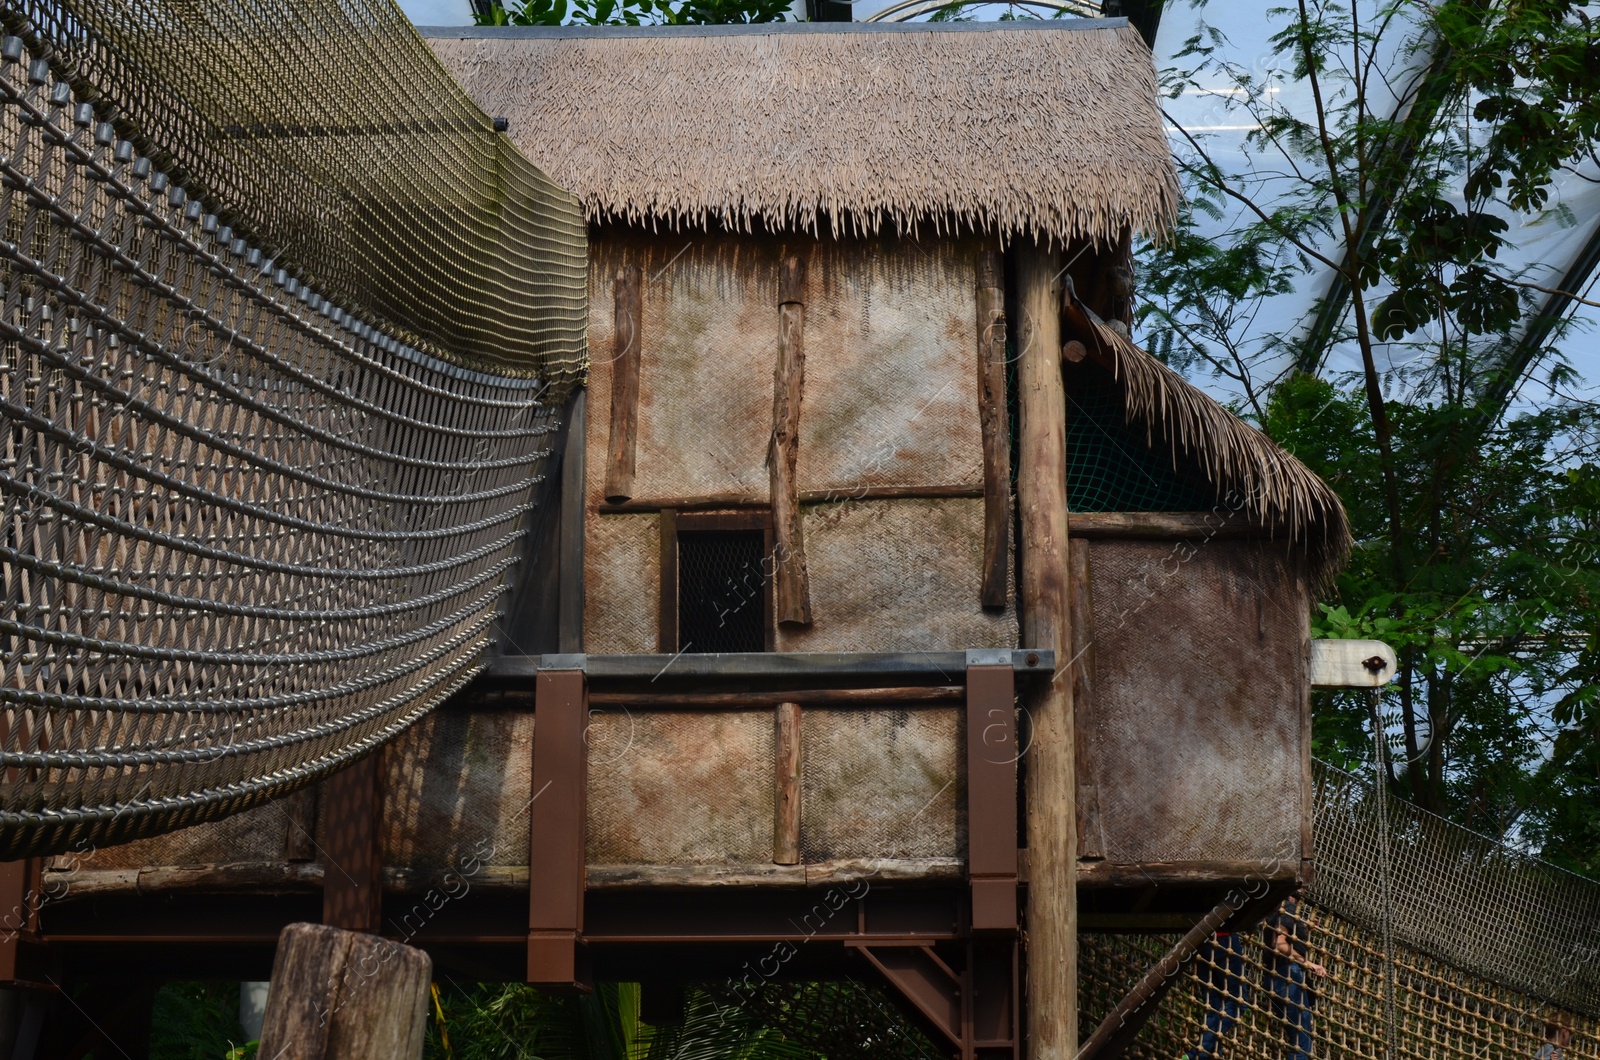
x=1195, y=718
x=680, y=787
x=891, y=366
x=890, y=393
x=622, y=583
x=459, y=784
x=882, y=784
x=260, y=834
x=897, y=575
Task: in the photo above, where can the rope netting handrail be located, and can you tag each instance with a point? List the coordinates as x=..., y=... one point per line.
x=259, y=495
x=1462, y=949
x=326, y=134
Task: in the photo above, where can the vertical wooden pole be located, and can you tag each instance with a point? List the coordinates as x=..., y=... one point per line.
x=340, y=995
x=558, y=813
x=629, y=294
x=793, y=582
x=786, y=795
x=995, y=426
x=1051, y=781
x=574, y=509
x=352, y=878
x=667, y=611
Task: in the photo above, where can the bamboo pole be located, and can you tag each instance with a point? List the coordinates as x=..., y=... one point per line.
x=793, y=582
x=622, y=452
x=1052, y=1022
x=996, y=430
x=786, y=796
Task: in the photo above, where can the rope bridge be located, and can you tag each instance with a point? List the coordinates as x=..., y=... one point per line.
x=285, y=331
x=1437, y=942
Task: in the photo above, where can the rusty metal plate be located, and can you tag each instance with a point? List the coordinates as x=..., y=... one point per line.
x=882, y=783
x=1195, y=722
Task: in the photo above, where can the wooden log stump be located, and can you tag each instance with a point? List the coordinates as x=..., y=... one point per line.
x=342, y=995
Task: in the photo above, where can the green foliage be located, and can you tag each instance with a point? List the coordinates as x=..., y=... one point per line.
x=517, y=1022
x=198, y=1021
x=630, y=12
x=1475, y=530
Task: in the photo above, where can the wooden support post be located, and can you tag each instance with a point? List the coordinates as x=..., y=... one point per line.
x=352, y=878
x=1091, y=840
x=667, y=611
x=786, y=796
x=1051, y=774
x=340, y=995
x=558, y=815
x=995, y=425
x=574, y=510
x=301, y=810
x=629, y=294
x=793, y=584
x=20, y=899
x=992, y=797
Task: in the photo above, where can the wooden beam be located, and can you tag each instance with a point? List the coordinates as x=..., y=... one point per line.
x=937, y=696
x=1128, y=1015
x=574, y=508
x=815, y=668
x=667, y=608
x=1166, y=526
x=793, y=588
x=786, y=794
x=301, y=811
x=836, y=495
x=996, y=428
x=620, y=456
x=1052, y=776
x=557, y=812
x=1105, y=875
x=352, y=880
x=992, y=797
x=1091, y=840
x=339, y=995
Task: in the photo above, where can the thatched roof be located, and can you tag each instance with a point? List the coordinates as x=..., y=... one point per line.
x=1252, y=475
x=1042, y=127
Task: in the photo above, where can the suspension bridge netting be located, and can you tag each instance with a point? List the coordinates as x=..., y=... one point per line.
x=285, y=331
x=1437, y=943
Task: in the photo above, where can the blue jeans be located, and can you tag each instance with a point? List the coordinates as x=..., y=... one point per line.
x=1223, y=974
x=1292, y=1004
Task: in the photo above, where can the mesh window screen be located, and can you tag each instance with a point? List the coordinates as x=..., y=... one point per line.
x=722, y=586
x=1110, y=466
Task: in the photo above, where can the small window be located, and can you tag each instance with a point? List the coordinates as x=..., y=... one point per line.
x=716, y=589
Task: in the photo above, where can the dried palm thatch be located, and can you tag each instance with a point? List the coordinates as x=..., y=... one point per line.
x=1252, y=475
x=1039, y=128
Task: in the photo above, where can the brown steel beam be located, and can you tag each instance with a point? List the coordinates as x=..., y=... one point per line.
x=557, y=813
x=992, y=797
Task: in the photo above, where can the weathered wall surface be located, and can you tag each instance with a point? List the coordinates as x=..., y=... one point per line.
x=1196, y=724
x=890, y=400
x=459, y=785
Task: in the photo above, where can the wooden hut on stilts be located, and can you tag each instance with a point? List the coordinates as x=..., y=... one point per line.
x=889, y=598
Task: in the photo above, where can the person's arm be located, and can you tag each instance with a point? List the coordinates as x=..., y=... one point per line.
x=1285, y=947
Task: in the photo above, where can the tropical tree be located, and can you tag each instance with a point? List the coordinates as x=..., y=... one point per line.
x=1426, y=133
